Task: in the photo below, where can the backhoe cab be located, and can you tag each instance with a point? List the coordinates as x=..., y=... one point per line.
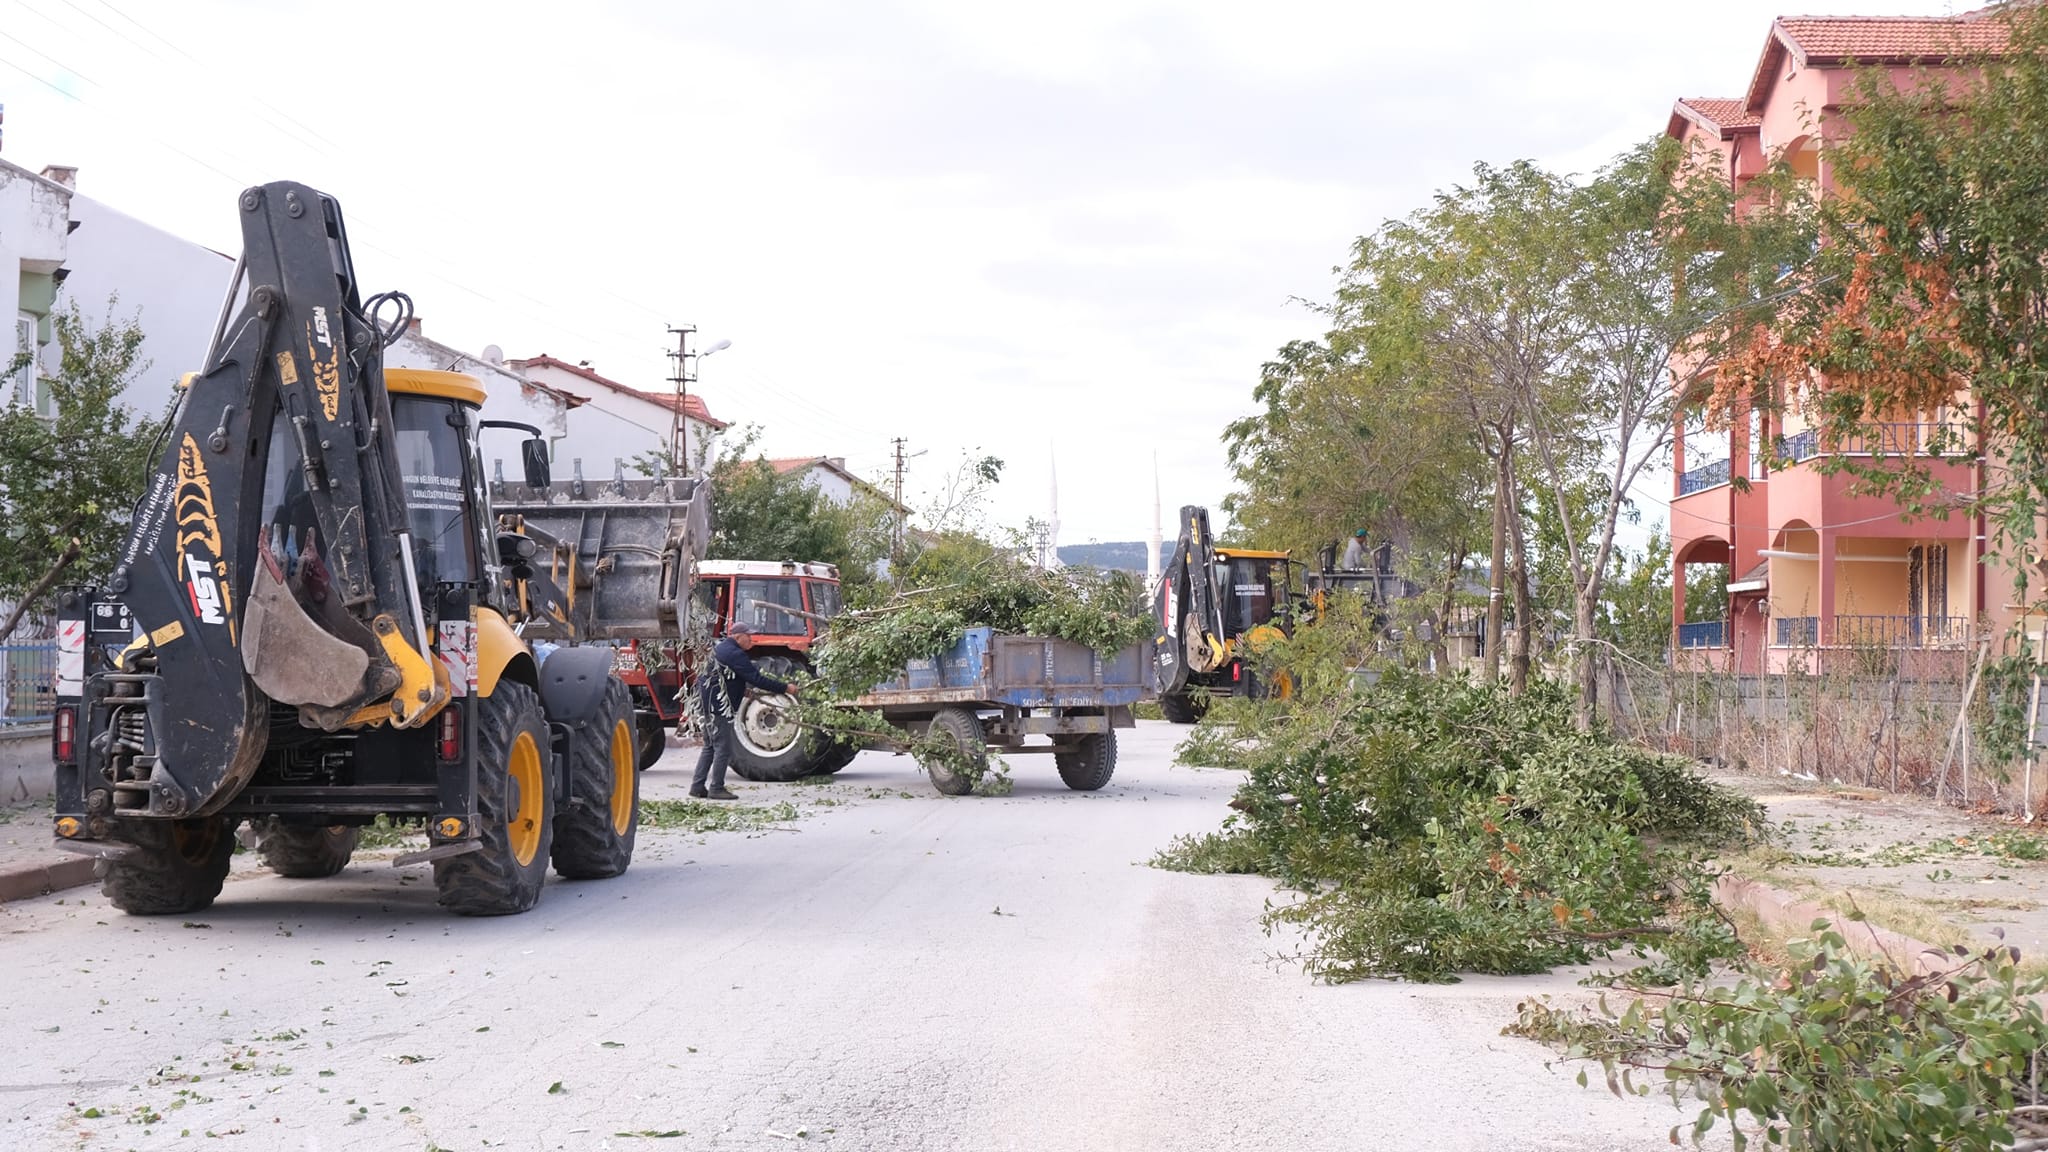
x=1217, y=608
x=314, y=622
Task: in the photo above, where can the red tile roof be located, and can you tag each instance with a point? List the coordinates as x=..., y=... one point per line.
x=1832, y=41
x=1724, y=117
x=693, y=404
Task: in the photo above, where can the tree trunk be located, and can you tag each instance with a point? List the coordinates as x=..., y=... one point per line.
x=36, y=593
x=1585, y=661
x=1525, y=610
x=1497, y=574
x=1440, y=648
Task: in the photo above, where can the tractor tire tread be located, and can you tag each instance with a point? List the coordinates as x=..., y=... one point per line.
x=490, y=881
x=157, y=879
x=587, y=847
x=307, y=851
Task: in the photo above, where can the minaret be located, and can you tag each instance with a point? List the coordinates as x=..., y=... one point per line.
x=1051, y=559
x=1153, y=545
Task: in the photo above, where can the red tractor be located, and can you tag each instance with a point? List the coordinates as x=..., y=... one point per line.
x=788, y=605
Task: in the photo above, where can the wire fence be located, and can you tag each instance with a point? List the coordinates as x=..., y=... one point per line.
x=28, y=679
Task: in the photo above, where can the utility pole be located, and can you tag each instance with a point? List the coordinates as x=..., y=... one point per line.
x=896, y=537
x=678, y=436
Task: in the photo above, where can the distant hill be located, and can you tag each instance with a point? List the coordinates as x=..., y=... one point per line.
x=1128, y=555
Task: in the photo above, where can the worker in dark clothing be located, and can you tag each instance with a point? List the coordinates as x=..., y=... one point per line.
x=719, y=692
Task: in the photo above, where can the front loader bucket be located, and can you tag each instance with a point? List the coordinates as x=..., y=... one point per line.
x=293, y=659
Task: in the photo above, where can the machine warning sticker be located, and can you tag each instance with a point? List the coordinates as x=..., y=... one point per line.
x=287, y=367
x=167, y=633
x=457, y=649
x=70, y=657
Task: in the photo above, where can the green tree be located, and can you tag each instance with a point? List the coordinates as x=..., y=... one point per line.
x=68, y=484
x=758, y=513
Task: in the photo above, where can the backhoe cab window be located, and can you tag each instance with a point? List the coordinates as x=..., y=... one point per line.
x=1249, y=592
x=430, y=456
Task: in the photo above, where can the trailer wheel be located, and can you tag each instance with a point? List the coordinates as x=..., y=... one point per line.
x=1087, y=763
x=306, y=851
x=514, y=809
x=594, y=834
x=1183, y=707
x=961, y=729
x=650, y=741
x=177, y=866
x=768, y=746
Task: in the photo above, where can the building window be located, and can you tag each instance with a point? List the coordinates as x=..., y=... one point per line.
x=22, y=381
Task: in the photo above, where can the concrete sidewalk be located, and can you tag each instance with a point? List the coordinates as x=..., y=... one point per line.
x=1924, y=877
x=29, y=864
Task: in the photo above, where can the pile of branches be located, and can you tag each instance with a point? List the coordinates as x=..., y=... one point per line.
x=1105, y=611
x=1437, y=826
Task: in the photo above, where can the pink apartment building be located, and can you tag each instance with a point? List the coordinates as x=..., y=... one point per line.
x=1817, y=570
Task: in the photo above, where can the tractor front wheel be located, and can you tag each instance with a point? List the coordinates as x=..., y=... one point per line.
x=515, y=809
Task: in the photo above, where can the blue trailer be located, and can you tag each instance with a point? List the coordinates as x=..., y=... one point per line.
x=993, y=690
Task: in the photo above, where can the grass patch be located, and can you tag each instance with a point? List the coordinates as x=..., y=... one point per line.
x=384, y=833
x=714, y=816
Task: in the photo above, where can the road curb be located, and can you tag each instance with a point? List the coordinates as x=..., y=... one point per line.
x=23, y=882
x=1794, y=916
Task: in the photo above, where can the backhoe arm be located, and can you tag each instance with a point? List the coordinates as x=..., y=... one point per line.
x=268, y=559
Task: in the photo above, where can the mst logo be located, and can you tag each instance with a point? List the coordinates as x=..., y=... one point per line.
x=199, y=548
x=326, y=366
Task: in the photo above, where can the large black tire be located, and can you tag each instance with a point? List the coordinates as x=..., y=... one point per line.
x=505, y=873
x=307, y=851
x=840, y=756
x=650, y=741
x=963, y=729
x=767, y=745
x=1088, y=763
x=177, y=866
x=1183, y=707
x=594, y=833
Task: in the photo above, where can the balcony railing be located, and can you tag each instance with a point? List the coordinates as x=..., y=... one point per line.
x=1913, y=439
x=1799, y=446
x=1703, y=634
x=1869, y=632
x=1900, y=631
x=1795, y=631
x=1702, y=478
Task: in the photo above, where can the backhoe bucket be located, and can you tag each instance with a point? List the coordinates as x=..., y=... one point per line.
x=293, y=659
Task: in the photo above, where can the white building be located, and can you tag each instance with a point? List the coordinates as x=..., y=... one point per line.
x=508, y=395
x=122, y=269
x=35, y=228
x=829, y=477
x=615, y=423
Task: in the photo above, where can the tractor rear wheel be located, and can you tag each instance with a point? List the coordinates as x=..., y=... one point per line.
x=177, y=866
x=1088, y=763
x=1183, y=707
x=650, y=741
x=594, y=834
x=514, y=809
x=959, y=757
x=768, y=745
x=307, y=851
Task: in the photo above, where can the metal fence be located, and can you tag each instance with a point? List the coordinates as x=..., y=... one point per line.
x=1901, y=631
x=28, y=679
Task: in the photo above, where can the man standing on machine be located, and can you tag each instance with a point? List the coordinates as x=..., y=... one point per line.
x=719, y=691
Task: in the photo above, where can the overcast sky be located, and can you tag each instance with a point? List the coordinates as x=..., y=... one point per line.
x=1069, y=228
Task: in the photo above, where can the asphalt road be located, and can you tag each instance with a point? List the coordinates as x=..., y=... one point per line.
x=896, y=971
